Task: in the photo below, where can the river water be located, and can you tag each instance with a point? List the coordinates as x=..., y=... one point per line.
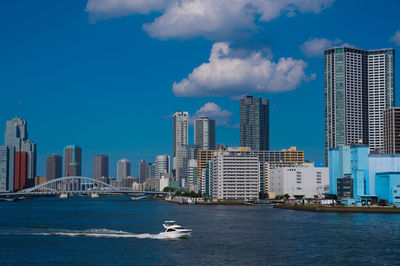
x=115, y=230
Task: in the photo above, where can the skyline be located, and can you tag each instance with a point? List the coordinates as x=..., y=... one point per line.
x=52, y=70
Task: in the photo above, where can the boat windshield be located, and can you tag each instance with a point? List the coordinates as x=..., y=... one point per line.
x=170, y=230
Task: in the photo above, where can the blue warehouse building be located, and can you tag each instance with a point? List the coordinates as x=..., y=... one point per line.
x=361, y=178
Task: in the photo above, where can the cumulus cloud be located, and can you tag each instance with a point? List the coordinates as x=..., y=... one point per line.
x=183, y=19
x=227, y=75
x=214, y=111
x=315, y=47
x=396, y=38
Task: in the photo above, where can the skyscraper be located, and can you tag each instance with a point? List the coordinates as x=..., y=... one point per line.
x=180, y=143
x=162, y=165
x=72, y=160
x=21, y=159
x=180, y=131
x=100, y=166
x=359, y=85
x=152, y=170
x=254, y=123
x=123, y=169
x=144, y=171
x=380, y=93
x=54, y=166
x=204, y=133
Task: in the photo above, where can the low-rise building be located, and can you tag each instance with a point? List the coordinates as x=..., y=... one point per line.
x=40, y=180
x=163, y=181
x=299, y=182
x=369, y=174
x=388, y=187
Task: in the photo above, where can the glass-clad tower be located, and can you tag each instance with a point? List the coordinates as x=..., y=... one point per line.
x=358, y=87
x=254, y=123
x=204, y=133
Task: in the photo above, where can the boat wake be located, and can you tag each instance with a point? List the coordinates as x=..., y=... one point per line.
x=100, y=233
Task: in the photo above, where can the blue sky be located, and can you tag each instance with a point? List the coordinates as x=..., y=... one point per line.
x=89, y=73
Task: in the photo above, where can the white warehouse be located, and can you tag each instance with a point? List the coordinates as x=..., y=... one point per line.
x=299, y=182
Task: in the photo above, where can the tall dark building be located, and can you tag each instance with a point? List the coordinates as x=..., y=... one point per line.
x=391, y=130
x=204, y=133
x=144, y=171
x=20, y=170
x=100, y=166
x=254, y=123
x=72, y=160
x=54, y=166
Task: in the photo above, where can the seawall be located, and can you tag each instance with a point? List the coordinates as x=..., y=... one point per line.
x=340, y=209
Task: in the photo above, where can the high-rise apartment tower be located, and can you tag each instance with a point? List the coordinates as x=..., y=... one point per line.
x=254, y=123
x=54, y=166
x=359, y=86
x=123, y=169
x=204, y=133
x=100, y=166
x=72, y=160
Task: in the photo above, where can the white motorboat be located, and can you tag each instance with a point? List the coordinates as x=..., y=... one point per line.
x=174, y=230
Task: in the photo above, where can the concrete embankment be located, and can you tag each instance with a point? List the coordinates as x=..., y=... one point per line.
x=313, y=208
x=182, y=200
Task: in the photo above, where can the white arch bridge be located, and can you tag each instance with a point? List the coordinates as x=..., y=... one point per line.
x=77, y=185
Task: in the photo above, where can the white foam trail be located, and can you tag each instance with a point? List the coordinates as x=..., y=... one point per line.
x=104, y=233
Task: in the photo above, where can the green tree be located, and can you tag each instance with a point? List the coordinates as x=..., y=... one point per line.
x=193, y=194
x=169, y=189
x=200, y=194
x=178, y=193
x=286, y=196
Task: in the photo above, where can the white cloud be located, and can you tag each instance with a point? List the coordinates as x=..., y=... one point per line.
x=226, y=75
x=209, y=18
x=102, y=9
x=271, y=9
x=183, y=19
x=315, y=47
x=396, y=38
x=214, y=111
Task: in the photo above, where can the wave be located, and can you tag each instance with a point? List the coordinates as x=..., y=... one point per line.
x=100, y=233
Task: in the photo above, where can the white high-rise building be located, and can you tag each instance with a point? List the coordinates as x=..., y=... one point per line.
x=359, y=85
x=162, y=165
x=123, y=169
x=380, y=93
x=236, y=175
x=204, y=133
x=180, y=143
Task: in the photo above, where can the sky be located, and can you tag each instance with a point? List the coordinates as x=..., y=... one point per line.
x=107, y=75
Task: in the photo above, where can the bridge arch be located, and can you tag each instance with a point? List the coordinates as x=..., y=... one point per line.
x=44, y=185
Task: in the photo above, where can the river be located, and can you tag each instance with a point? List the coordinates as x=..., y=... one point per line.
x=115, y=230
